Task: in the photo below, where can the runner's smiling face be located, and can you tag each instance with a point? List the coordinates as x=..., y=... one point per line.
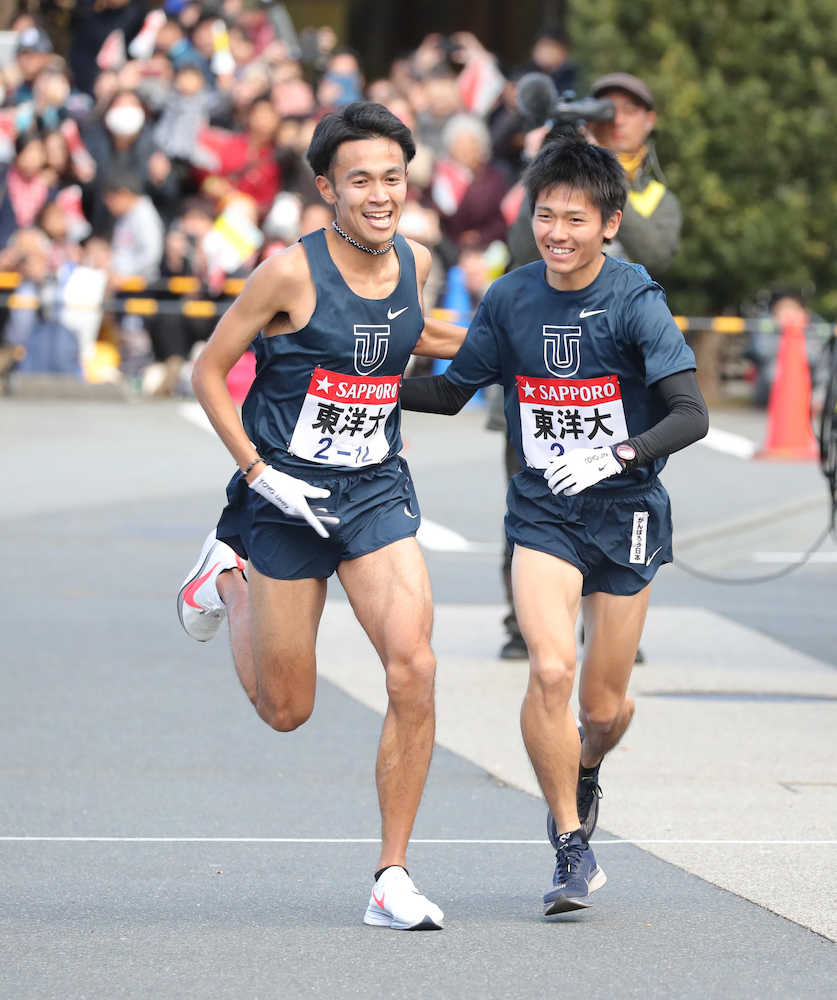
x=569, y=233
x=367, y=188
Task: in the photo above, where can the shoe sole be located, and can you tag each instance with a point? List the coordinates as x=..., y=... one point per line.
x=378, y=918
x=197, y=569
x=566, y=904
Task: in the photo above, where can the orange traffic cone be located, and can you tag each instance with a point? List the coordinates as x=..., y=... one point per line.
x=789, y=434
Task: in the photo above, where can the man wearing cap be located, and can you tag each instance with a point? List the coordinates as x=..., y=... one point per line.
x=650, y=229
x=33, y=52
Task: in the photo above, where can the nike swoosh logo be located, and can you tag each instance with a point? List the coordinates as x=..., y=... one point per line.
x=380, y=901
x=395, y=315
x=407, y=512
x=651, y=557
x=191, y=590
x=590, y=312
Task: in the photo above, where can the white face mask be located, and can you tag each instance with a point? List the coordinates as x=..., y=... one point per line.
x=125, y=120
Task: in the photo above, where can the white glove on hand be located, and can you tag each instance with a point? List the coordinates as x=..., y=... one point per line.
x=579, y=469
x=289, y=495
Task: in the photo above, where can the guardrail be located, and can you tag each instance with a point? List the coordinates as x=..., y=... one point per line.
x=206, y=308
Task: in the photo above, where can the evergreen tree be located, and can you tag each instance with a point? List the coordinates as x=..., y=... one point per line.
x=747, y=136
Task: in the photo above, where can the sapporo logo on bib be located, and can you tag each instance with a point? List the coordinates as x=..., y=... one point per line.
x=343, y=418
x=560, y=414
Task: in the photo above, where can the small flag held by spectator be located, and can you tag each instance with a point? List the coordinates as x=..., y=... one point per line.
x=112, y=53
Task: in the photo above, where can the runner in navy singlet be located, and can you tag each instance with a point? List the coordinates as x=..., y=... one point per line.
x=599, y=389
x=335, y=319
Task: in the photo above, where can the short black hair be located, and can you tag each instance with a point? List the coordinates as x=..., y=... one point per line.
x=359, y=120
x=122, y=178
x=23, y=139
x=573, y=161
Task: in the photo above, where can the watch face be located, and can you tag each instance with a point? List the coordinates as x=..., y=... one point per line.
x=626, y=452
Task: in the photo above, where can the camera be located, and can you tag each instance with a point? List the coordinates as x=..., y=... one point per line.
x=540, y=101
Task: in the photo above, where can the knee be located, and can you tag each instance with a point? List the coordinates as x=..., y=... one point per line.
x=602, y=716
x=284, y=717
x=283, y=707
x=552, y=677
x=411, y=679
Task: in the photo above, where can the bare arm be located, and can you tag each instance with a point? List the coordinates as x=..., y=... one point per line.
x=268, y=291
x=438, y=339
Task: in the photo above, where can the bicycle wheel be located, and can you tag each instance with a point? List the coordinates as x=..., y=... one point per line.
x=828, y=426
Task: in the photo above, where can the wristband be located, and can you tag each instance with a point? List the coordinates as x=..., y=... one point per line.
x=252, y=464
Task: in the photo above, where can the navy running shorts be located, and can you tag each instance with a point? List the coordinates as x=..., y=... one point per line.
x=376, y=506
x=617, y=541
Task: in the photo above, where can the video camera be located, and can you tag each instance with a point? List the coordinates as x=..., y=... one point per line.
x=539, y=100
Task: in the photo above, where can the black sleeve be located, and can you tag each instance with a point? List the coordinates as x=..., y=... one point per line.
x=686, y=422
x=433, y=394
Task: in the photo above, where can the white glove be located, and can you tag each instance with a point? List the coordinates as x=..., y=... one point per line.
x=289, y=495
x=579, y=469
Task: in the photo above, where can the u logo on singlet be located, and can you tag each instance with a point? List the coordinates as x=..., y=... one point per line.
x=371, y=346
x=562, y=350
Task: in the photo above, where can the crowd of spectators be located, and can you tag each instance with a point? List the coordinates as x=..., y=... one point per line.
x=170, y=140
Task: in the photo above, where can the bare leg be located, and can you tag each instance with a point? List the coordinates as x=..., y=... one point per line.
x=613, y=627
x=232, y=589
x=390, y=593
x=273, y=632
x=547, y=593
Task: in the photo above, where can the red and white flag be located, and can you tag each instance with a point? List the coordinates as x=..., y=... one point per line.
x=450, y=182
x=112, y=53
x=142, y=46
x=480, y=84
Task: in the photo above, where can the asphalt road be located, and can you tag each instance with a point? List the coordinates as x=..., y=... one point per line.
x=157, y=840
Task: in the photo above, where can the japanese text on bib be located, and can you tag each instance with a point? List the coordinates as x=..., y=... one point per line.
x=343, y=419
x=558, y=415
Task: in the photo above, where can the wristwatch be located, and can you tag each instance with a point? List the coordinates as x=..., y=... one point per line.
x=626, y=454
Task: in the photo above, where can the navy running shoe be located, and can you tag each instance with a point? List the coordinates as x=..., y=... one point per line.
x=587, y=794
x=576, y=876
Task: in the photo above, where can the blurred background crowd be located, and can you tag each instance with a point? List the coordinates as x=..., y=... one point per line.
x=170, y=141
x=159, y=149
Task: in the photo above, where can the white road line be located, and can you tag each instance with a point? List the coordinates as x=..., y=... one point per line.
x=193, y=412
x=728, y=443
x=438, y=538
x=375, y=840
x=792, y=557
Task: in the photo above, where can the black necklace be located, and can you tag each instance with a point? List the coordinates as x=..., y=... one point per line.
x=360, y=246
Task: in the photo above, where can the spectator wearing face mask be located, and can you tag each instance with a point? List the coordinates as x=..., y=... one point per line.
x=124, y=139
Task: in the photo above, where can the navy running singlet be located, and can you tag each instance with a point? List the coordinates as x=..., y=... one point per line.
x=327, y=394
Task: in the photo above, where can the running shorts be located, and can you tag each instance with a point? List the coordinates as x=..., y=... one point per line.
x=616, y=541
x=376, y=506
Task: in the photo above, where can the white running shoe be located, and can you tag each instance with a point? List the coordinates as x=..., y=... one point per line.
x=199, y=605
x=396, y=902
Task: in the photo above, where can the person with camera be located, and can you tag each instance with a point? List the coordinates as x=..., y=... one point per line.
x=649, y=233
x=651, y=223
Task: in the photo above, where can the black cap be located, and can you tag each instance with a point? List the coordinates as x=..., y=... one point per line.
x=624, y=81
x=32, y=39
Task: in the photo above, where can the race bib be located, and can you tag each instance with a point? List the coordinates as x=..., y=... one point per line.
x=559, y=414
x=343, y=419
